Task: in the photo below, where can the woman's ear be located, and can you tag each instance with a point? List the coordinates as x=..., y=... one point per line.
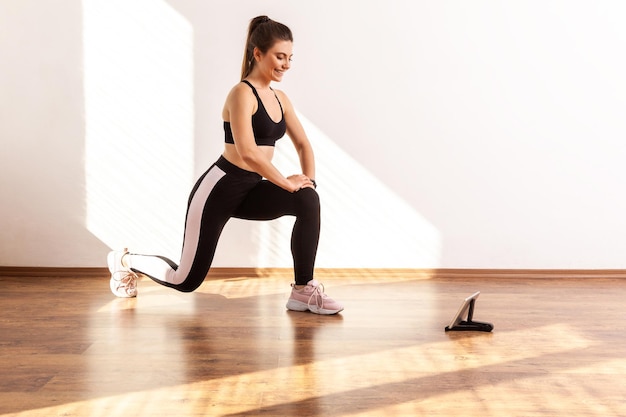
x=256, y=53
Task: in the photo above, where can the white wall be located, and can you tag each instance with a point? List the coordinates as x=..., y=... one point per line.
x=454, y=134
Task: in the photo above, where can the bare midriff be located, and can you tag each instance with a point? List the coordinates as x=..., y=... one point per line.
x=231, y=154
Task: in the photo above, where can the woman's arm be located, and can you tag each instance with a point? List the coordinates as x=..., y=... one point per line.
x=298, y=137
x=240, y=106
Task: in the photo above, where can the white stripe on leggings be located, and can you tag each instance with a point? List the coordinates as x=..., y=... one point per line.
x=157, y=267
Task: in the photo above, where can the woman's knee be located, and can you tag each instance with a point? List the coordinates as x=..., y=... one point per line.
x=307, y=201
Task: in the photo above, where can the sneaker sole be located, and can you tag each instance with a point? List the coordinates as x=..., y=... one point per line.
x=324, y=311
x=295, y=305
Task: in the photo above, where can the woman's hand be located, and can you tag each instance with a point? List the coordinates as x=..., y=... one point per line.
x=299, y=182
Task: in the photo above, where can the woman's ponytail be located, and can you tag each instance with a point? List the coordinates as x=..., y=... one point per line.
x=263, y=32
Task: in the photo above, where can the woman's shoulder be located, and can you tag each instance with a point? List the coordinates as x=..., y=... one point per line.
x=240, y=92
x=240, y=87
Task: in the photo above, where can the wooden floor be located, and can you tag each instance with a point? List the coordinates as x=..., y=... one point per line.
x=69, y=348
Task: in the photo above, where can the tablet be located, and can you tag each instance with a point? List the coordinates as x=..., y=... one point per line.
x=458, y=317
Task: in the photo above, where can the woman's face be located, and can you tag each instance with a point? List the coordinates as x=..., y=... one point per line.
x=273, y=64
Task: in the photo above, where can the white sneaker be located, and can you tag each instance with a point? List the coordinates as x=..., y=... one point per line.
x=123, y=280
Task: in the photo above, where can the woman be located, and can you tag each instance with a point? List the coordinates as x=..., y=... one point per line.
x=244, y=184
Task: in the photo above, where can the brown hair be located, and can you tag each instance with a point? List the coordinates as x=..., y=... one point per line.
x=263, y=32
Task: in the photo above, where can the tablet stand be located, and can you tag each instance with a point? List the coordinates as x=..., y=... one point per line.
x=469, y=324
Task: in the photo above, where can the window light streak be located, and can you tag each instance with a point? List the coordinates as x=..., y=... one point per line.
x=138, y=72
x=139, y=153
x=442, y=359
x=530, y=400
x=364, y=223
x=152, y=296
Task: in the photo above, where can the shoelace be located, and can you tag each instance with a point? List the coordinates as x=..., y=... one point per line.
x=318, y=294
x=128, y=281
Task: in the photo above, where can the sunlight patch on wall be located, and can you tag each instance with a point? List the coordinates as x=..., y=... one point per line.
x=138, y=72
x=364, y=223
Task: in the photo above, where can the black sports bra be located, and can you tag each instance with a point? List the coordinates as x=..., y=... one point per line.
x=266, y=131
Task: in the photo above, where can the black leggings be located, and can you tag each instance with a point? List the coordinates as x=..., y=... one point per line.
x=226, y=191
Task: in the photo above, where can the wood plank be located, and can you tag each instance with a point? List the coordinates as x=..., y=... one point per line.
x=68, y=347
